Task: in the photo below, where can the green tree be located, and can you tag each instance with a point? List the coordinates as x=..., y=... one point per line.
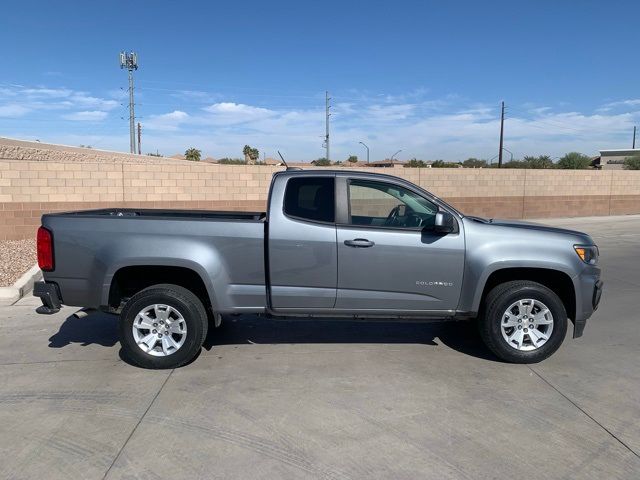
x=542, y=161
x=443, y=164
x=513, y=164
x=632, y=163
x=232, y=161
x=250, y=154
x=415, y=163
x=352, y=159
x=574, y=161
x=474, y=163
x=192, y=154
x=321, y=162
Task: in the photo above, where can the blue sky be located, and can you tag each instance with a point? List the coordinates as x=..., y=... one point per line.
x=426, y=77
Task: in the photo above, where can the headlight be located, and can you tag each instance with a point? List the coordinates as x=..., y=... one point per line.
x=587, y=253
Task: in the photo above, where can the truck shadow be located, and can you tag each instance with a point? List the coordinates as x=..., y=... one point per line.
x=96, y=328
x=245, y=329
x=102, y=329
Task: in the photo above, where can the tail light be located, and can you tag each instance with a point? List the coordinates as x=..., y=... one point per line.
x=45, y=249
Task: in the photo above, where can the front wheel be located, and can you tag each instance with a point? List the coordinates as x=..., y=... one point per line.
x=163, y=326
x=523, y=322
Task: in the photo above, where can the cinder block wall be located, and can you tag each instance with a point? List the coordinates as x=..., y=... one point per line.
x=30, y=188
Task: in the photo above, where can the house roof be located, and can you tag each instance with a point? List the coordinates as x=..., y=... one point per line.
x=387, y=161
x=620, y=151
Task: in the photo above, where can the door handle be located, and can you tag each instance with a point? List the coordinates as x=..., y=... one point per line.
x=359, y=243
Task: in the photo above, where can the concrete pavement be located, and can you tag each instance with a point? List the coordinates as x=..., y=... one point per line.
x=319, y=399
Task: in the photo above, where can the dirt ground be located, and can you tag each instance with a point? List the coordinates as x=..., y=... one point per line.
x=16, y=257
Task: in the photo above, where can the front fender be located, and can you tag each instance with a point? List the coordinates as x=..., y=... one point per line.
x=474, y=283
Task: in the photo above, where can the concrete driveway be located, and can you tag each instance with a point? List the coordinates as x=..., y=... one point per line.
x=317, y=399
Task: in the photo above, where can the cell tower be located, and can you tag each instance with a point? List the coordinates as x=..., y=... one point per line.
x=130, y=62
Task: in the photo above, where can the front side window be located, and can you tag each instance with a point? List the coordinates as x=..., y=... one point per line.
x=386, y=205
x=310, y=198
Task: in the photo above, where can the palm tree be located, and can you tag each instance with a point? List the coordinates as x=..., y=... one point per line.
x=192, y=154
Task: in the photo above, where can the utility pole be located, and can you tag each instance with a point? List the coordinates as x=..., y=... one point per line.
x=634, y=138
x=130, y=62
x=139, y=139
x=327, y=115
x=501, y=137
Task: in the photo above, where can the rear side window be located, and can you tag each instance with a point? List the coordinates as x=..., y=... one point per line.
x=310, y=198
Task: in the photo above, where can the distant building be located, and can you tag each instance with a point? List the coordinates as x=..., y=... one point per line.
x=359, y=163
x=613, y=159
x=388, y=163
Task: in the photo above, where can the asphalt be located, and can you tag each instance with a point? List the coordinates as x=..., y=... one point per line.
x=318, y=399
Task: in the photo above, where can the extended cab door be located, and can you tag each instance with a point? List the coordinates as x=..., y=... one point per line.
x=302, y=254
x=389, y=259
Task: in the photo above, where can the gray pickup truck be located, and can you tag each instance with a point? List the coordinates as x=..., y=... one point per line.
x=339, y=244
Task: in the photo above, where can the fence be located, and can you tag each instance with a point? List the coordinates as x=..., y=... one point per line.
x=30, y=188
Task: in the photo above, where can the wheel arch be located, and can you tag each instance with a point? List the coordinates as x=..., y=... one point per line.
x=556, y=280
x=127, y=280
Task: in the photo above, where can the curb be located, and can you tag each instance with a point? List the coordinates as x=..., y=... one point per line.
x=10, y=295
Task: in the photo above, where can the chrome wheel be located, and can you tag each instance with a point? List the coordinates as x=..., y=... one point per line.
x=159, y=330
x=527, y=324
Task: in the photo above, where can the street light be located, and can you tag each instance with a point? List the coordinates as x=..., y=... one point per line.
x=365, y=146
x=395, y=154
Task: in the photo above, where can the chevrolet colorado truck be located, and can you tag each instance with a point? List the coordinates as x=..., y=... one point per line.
x=338, y=244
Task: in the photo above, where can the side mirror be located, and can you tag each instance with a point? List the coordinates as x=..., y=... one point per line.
x=444, y=223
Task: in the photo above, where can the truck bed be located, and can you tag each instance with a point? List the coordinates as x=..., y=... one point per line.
x=170, y=214
x=226, y=249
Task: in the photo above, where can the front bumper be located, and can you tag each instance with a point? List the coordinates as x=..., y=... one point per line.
x=50, y=296
x=588, y=294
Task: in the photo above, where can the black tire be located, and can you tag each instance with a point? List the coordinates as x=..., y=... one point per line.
x=495, y=306
x=185, y=302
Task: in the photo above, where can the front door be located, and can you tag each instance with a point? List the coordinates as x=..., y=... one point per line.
x=388, y=259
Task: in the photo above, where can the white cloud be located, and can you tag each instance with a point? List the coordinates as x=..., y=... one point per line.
x=82, y=100
x=13, y=110
x=425, y=129
x=86, y=116
x=229, y=112
x=388, y=113
x=450, y=127
x=46, y=98
x=168, y=121
x=43, y=92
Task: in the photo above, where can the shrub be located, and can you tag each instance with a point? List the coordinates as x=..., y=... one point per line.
x=474, y=163
x=574, y=161
x=415, y=163
x=232, y=161
x=321, y=162
x=632, y=163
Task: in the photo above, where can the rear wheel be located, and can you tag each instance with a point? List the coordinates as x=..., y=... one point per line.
x=163, y=326
x=523, y=322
